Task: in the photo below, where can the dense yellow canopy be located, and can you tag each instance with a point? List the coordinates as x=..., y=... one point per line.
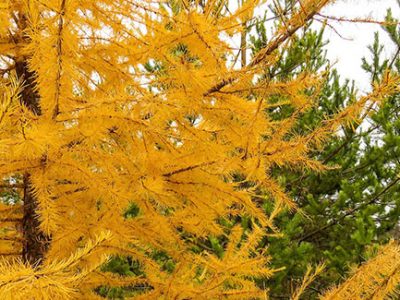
x=140, y=105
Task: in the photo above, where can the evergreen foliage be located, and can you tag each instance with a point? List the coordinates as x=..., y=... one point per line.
x=347, y=211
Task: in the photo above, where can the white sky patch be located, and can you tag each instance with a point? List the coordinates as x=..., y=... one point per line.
x=348, y=53
x=95, y=80
x=347, y=50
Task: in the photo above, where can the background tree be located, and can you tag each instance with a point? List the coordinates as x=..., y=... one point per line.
x=359, y=195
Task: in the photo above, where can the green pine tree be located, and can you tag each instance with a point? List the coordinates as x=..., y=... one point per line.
x=344, y=213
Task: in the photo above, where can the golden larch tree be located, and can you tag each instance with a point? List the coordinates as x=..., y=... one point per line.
x=110, y=104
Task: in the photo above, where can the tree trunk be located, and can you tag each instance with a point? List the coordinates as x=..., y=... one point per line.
x=35, y=241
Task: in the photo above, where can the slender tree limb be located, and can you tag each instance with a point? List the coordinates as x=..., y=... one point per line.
x=12, y=239
x=351, y=212
x=358, y=20
x=11, y=254
x=11, y=220
x=11, y=186
x=59, y=59
x=189, y=168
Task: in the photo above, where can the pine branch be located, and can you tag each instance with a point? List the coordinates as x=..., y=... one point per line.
x=350, y=212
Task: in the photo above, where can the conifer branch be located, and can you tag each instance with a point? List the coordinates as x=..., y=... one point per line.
x=189, y=168
x=11, y=220
x=277, y=41
x=13, y=239
x=10, y=254
x=140, y=164
x=351, y=212
x=358, y=20
x=59, y=59
x=11, y=186
x=375, y=279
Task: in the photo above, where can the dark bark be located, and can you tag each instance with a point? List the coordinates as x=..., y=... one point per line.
x=29, y=96
x=35, y=242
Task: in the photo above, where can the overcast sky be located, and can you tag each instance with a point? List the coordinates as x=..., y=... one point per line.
x=348, y=53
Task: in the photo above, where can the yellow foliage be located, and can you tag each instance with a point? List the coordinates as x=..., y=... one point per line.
x=56, y=279
x=377, y=279
x=137, y=104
